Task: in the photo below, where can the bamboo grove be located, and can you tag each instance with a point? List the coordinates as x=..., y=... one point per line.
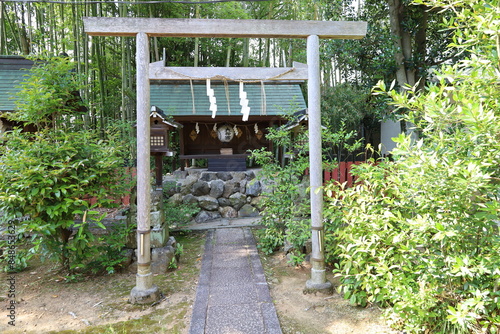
x=44, y=27
x=50, y=28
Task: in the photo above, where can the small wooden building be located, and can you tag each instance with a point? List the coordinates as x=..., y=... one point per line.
x=223, y=136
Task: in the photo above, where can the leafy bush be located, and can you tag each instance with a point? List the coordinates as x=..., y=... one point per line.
x=179, y=216
x=47, y=176
x=286, y=201
x=110, y=249
x=420, y=235
x=286, y=213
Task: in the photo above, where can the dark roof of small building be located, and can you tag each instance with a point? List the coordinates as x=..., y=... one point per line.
x=13, y=70
x=157, y=112
x=269, y=99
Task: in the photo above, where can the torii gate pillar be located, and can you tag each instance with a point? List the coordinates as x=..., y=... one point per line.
x=145, y=291
x=318, y=281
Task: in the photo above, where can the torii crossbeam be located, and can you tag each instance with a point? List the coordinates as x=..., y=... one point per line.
x=142, y=29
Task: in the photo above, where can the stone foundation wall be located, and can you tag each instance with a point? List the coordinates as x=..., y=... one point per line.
x=218, y=194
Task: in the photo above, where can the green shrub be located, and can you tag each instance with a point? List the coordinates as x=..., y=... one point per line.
x=179, y=216
x=286, y=213
x=48, y=176
x=420, y=235
x=110, y=249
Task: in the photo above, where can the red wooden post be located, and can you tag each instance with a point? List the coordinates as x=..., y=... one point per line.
x=335, y=174
x=342, y=172
x=327, y=175
x=348, y=174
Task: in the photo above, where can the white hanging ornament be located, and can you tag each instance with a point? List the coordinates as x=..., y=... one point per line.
x=213, y=99
x=197, y=128
x=256, y=128
x=236, y=131
x=245, y=109
x=210, y=91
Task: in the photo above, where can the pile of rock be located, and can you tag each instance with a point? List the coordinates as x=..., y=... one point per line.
x=218, y=194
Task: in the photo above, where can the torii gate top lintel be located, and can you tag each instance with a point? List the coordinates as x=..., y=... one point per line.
x=128, y=26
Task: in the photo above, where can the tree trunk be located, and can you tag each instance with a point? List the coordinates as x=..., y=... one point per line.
x=23, y=35
x=64, y=234
x=404, y=77
x=246, y=51
x=197, y=40
x=406, y=73
x=228, y=53
x=2, y=29
x=421, y=44
x=402, y=43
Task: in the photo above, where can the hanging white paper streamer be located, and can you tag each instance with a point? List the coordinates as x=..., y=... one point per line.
x=245, y=109
x=213, y=100
x=208, y=88
x=197, y=128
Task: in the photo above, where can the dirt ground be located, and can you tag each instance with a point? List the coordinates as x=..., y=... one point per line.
x=48, y=303
x=301, y=313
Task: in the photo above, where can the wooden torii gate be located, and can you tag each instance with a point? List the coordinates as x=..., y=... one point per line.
x=143, y=28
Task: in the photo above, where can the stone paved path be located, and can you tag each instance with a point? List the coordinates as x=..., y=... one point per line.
x=232, y=295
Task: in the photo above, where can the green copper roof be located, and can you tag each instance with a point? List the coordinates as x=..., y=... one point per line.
x=9, y=80
x=13, y=70
x=268, y=99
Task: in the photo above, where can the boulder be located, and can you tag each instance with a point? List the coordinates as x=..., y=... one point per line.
x=187, y=183
x=224, y=176
x=243, y=186
x=223, y=201
x=253, y=188
x=216, y=188
x=248, y=211
x=249, y=175
x=208, y=203
x=267, y=186
x=189, y=199
x=258, y=203
x=230, y=188
x=228, y=212
x=238, y=176
x=194, y=172
x=180, y=174
x=170, y=187
x=204, y=216
x=208, y=176
x=237, y=200
x=175, y=199
x=200, y=188
x=160, y=259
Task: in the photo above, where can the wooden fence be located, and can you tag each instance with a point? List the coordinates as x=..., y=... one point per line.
x=340, y=174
